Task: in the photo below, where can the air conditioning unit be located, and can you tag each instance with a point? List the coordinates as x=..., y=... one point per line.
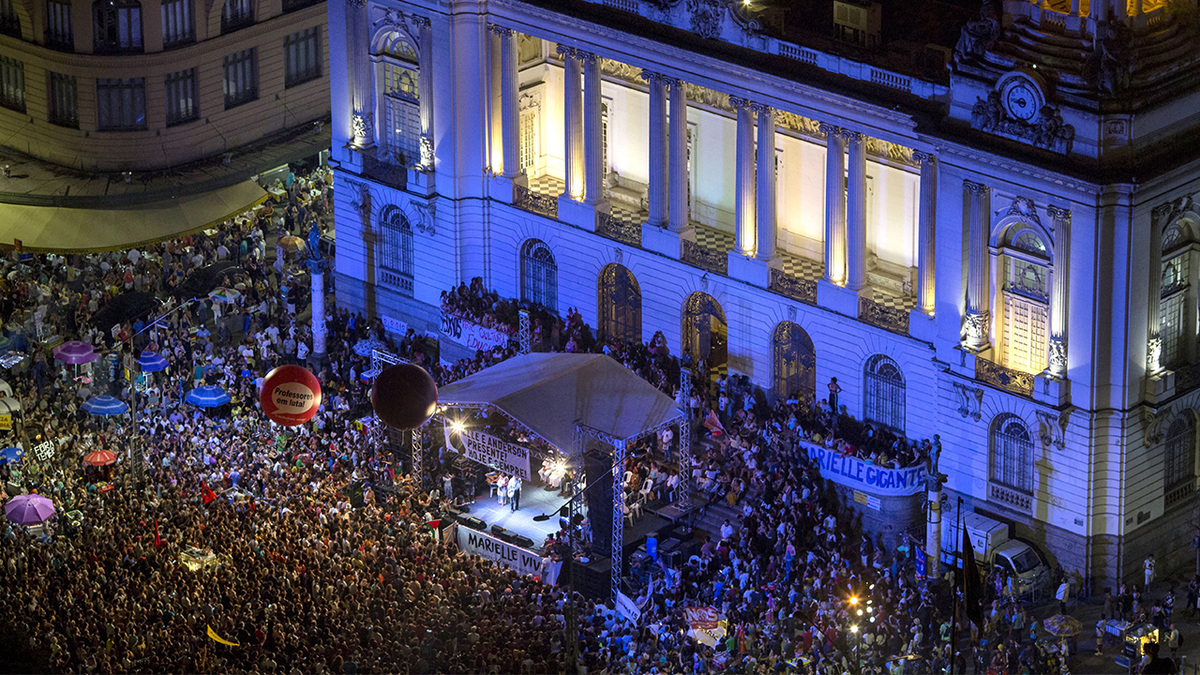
x=858, y=22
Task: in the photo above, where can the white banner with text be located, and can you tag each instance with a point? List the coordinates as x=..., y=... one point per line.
x=507, y=458
x=472, y=335
x=855, y=473
x=484, y=545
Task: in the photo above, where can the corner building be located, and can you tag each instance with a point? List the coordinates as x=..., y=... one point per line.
x=981, y=223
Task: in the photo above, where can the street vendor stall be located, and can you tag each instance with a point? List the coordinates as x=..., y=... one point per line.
x=1137, y=637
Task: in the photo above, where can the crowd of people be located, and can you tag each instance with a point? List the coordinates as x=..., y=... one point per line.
x=320, y=556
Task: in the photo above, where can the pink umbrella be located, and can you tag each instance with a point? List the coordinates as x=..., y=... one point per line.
x=75, y=352
x=29, y=509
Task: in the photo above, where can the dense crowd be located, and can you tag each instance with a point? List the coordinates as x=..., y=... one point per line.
x=323, y=555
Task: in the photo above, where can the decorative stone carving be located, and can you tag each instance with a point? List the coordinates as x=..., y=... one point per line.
x=1024, y=208
x=707, y=16
x=978, y=35
x=503, y=31
x=1154, y=355
x=621, y=71
x=970, y=401
x=736, y=102
x=977, y=327
x=1167, y=214
x=1052, y=428
x=363, y=127
x=1057, y=355
x=828, y=129
x=423, y=215
x=426, y=152
x=1059, y=217
x=799, y=124
x=1111, y=62
x=708, y=97
x=356, y=3
x=1047, y=131
x=898, y=154
x=1153, y=420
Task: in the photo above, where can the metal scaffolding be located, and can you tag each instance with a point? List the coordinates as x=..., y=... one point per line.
x=683, y=495
x=410, y=440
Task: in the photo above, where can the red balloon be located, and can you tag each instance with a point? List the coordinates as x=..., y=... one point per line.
x=404, y=396
x=290, y=395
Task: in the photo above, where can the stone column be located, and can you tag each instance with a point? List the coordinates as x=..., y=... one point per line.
x=1057, y=352
x=362, y=119
x=678, y=190
x=927, y=232
x=573, y=123
x=835, y=205
x=765, y=183
x=744, y=172
x=1154, y=363
x=978, y=286
x=510, y=121
x=1074, y=7
x=593, y=133
x=425, y=88
x=856, y=211
x=316, y=273
x=657, y=196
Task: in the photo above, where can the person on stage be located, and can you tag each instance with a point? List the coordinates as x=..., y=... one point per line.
x=514, y=492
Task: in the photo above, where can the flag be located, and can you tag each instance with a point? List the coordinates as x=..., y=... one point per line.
x=213, y=634
x=922, y=560
x=971, y=583
x=433, y=524
x=713, y=424
x=158, y=542
x=208, y=494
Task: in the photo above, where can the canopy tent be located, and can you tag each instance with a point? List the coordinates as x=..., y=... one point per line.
x=64, y=229
x=551, y=393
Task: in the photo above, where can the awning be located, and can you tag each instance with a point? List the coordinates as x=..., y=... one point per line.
x=51, y=229
x=549, y=393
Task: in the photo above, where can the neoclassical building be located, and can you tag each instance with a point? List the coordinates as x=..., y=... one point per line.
x=980, y=222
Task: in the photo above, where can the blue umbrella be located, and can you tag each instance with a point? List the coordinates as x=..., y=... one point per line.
x=207, y=397
x=11, y=455
x=152, y=362
x=105, y=405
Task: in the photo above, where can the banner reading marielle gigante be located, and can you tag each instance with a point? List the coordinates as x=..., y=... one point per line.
x=860, y=475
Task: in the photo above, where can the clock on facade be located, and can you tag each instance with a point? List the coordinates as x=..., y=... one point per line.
x=1022, y=98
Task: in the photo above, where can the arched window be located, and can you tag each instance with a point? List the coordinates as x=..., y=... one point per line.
x=705, y=333
x=398, y=68
x=620, y=303
x=396, y=250
x=1012, y=453
x=1176, y=290
x=1179, y=458
x=795, y=362
x=118, y=26
x=883, y=396
x=539, y=275
x=236, y=15
x=1026, y=300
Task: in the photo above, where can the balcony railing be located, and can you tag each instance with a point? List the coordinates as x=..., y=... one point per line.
x=397, y=280
x=887, y=318
x=797, y=289
x=1013, y=499
x=524, y=198
x=713, y=261
x=623, y=231
x=1016, y=381
x=1179, y=493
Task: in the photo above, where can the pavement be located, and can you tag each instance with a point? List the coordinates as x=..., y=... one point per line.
x=1085, y=662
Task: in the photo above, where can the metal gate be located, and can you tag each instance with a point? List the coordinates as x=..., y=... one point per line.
x=883, y=400
x=705, y=333
x=795, y=362
x=620, y=305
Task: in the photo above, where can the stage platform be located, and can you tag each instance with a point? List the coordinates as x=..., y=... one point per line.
x=535, y=501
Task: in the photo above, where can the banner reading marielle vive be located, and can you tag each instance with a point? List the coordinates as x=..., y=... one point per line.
x=855, y=473
x=486, y=449
x=484, y=545
x=472, y=335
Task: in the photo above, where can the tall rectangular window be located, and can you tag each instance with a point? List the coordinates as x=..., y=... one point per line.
x=241, y=78
x=302, y=56
x=182, y=105
x=121, y=104
x=236, y=15
x=62, y=104
x=58, y=26
x=177, y=23
x=12, y=84
x=10, y=22
x=118, y=26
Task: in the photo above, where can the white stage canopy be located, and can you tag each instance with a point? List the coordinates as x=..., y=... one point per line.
x=551, y=393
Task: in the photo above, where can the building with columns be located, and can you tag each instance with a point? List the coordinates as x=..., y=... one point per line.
x=979, y=233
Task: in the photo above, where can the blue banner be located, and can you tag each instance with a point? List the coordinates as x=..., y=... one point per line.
x=861, y=475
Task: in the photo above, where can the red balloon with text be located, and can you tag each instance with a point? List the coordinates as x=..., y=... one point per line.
x=404, y=396
x=290, y=395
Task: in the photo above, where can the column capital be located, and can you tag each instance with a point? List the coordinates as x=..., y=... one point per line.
x=587, y=57
x=653, y=78
x=761, y=108
x=973, y=187
x=674, y=83
x=852, y=136
x=1059, y=214
x=921, y=157
x=828, y=129
x=566, y=51
x=359, y=4
x=421, y=21
x=738, y=102
x=502, y=31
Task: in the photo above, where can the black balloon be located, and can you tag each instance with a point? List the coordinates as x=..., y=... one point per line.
x=404, y=396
